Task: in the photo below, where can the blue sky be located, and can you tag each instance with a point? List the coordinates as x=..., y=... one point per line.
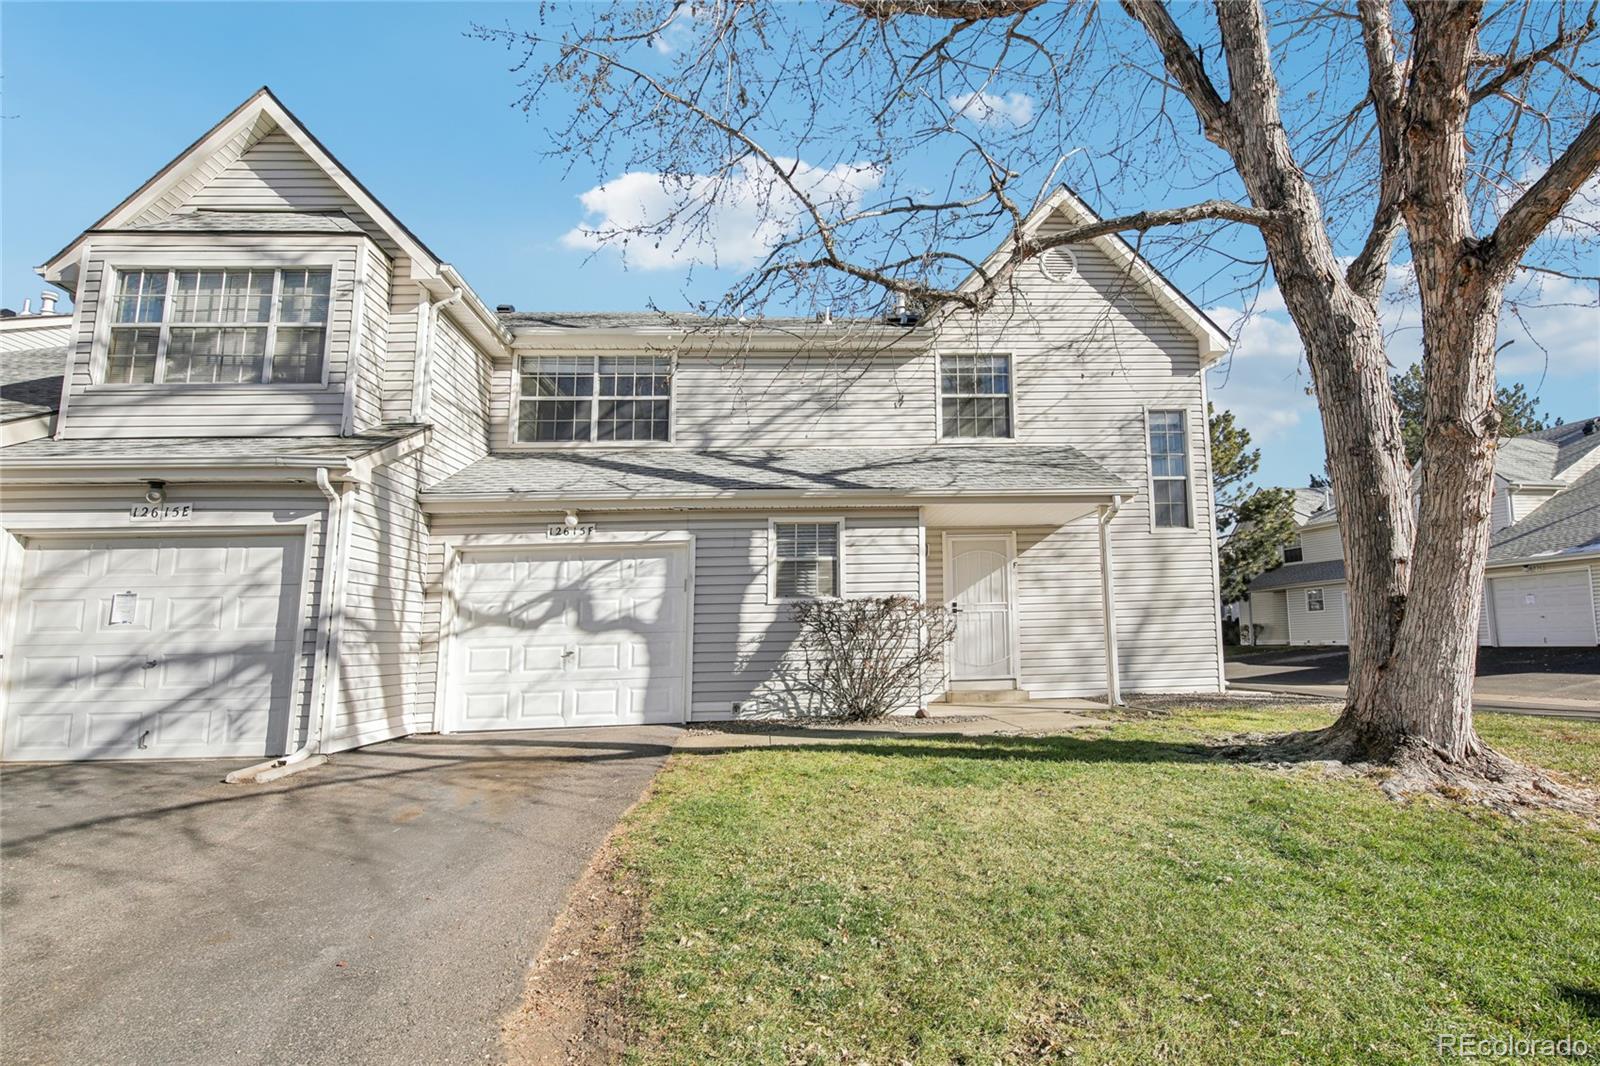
x=97, y=97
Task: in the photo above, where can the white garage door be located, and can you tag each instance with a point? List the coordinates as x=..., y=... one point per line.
x=1544, y=609
x=153, y=648
x=573, y=636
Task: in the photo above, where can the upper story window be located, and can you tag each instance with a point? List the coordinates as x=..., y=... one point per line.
x=975, y=396
x=1294, y=551
x=1169, y=470
x=607, y=398
x=243, y=326
x=805, y=560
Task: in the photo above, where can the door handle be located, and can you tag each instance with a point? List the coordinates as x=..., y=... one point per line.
x=150, y=664
x=955, y=608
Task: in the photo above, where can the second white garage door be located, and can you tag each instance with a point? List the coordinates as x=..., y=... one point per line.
x=1536, y=610
x=568, y=637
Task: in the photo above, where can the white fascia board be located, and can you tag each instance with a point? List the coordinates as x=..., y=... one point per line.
x=116, y=472
x=1213, y=341
x=1576, y=555
x=26, y=428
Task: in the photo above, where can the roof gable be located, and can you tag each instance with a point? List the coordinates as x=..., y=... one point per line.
x=1064, y=202
x=259, y=157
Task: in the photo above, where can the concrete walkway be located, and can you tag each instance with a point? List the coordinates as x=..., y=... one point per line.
x=1546, y=706
x=1032, y=718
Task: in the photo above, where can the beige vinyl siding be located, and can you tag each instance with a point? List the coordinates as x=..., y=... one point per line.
x=1327, y=626
x=1524, y=503
x=460, y=378
x=380, y=645
x=405, y=304
x=95, y=410
x=208, y=169
x=740, y=640
x=1485, y=624
x=1321, y=544
x=95, y=510
x=782, y=399
x=1500, y=506
x=1270, y=611
x=27, y=334
x=1092, y=354
x=273, y=174
x=374, y=341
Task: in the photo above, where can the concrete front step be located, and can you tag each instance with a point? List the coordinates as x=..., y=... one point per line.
x=984, y=695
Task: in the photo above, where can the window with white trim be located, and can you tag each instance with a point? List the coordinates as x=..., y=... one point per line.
x=1169, y=470
x=1314, y=600
x=606, y=398
x=805, y=560
x=975, y=396
x=234, y=326
x=1294, y=551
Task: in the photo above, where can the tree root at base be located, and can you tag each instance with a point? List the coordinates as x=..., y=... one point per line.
x=1411, y=768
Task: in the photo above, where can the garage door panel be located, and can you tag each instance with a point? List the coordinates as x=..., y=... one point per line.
x=196, y=658
x=1539, y=610
x=597, y=633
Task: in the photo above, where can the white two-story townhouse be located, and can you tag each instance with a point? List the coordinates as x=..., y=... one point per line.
x=1542, y=577
x=304, y=491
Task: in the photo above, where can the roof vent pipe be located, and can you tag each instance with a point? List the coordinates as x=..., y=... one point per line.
x=47, y=303
x=27, y=307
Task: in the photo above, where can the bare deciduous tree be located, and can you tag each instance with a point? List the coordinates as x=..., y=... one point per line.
x=1324, y=142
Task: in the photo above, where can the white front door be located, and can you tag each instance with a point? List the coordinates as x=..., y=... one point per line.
x=154, y=647
x=1544, y=610
x=569, y=636
x=979, y=593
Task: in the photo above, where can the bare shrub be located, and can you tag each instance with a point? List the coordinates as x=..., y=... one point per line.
x=861, y=659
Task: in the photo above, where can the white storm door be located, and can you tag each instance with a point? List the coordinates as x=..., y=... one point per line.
x=154, y=647
x=569, y=636
x=980, y=595
x=1544, y=610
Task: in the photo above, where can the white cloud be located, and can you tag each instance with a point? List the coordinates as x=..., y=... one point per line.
x=662, y=221
x=680, y=31
x=992, y=109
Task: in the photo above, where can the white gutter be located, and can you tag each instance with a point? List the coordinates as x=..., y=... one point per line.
x=422, y=369
x=1108, y=599
x=330, y=626
x=501, y=501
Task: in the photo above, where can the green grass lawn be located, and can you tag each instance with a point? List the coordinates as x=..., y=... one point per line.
x=1100, y=898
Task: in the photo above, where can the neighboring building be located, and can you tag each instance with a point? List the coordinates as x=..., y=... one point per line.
x=303, y=488
x=1542, y=582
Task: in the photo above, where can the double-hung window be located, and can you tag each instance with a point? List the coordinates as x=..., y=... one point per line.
x=607, y=398
x=1169, y=470
x=975, y=396
x=244, y=326
x=1294, y=551
x=805, y=560
x=1314, y=600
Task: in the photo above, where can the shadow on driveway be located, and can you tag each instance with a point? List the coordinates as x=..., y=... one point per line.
x=383, y=908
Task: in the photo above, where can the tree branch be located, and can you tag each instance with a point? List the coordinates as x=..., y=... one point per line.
x=955, y=10
x=1522, y=223
x=1386, y=90
x=1515, y=68
x=1186, y=68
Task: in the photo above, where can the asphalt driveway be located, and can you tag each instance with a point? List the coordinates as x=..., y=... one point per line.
x=383, y=908
x=1511, y=675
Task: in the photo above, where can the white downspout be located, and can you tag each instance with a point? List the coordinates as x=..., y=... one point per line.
x=1108, y=599
x=423, y=370
x=330, y=615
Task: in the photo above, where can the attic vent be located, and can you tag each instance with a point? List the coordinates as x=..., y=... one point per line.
x=1058, y=264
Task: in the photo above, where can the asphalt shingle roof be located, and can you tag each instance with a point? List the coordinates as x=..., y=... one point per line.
x=622, y=473
x=48, y=451
x=1326, y=571
x=30, y=381
x=253, y=222
x=1568, y=522
x=669, y=321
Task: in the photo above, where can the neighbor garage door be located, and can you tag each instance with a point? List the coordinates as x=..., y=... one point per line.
x=153, y=647
x=569, y=636
x=1544, y=609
